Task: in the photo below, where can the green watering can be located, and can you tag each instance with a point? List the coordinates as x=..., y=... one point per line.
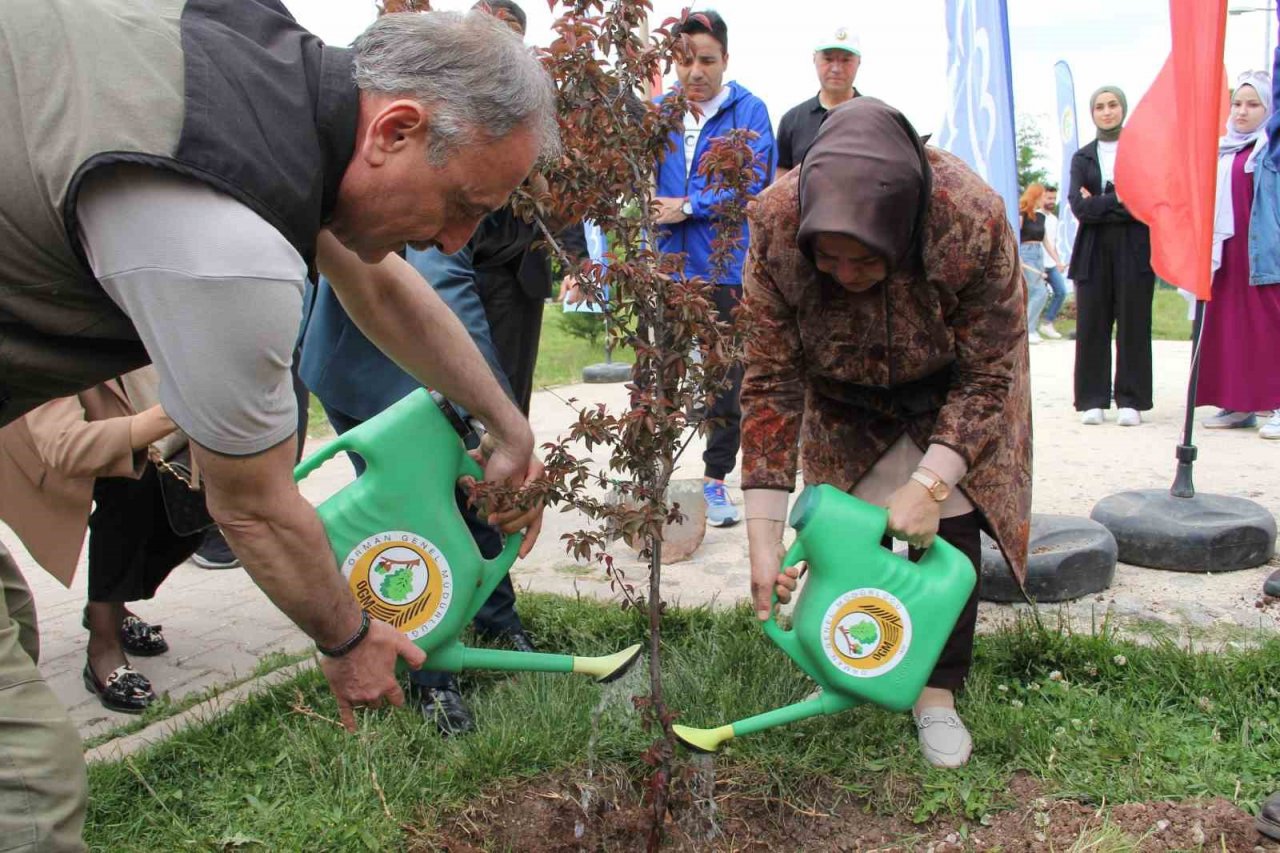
x=868, y=625
x=405, y=549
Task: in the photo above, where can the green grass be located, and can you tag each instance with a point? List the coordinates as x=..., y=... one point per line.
x=1168, y=316
x=561, y=358
x=1126, y=722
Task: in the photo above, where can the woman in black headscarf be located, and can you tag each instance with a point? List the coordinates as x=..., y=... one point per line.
x=892, y=332
x=1111, y=266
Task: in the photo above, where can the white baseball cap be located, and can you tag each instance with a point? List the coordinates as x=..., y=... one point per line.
x=839, y=38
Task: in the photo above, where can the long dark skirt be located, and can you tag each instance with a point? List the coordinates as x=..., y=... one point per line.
x=132, y=549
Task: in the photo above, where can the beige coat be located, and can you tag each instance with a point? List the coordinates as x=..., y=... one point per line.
x=48, y=461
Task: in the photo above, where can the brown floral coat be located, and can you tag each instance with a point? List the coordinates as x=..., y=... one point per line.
x=942, y=357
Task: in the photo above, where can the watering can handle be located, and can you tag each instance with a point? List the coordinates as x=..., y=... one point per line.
x=321, y=456
x=785, y=640
x=502, y=563
x=941, y=553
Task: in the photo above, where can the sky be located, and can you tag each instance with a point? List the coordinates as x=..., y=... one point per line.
x=904, y=44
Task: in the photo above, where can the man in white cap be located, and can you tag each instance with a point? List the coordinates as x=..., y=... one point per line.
x=836, y=58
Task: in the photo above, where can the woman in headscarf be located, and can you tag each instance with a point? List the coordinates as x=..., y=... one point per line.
x=1111, y=266
x=892, y=338
x=1242, y=320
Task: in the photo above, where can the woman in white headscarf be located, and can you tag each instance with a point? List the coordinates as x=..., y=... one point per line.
x=1111, y=266
x=1242, y=319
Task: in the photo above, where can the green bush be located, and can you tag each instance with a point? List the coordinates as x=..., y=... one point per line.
x=581, y=324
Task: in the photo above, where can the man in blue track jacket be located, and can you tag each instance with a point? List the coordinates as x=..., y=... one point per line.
x=687, y=212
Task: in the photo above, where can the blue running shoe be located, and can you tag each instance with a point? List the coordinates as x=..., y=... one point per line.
x=720, y=513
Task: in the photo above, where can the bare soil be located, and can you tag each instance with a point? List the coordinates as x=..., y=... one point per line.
x=547, y=815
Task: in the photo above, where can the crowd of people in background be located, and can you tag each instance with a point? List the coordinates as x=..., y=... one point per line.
x=858, y=225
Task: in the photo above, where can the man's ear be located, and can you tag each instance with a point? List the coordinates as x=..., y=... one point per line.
x=398, y=125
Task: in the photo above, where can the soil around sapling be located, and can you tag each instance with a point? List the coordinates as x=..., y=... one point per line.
x=550, y=814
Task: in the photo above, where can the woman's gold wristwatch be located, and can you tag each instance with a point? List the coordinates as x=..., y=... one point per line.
x=933, y=484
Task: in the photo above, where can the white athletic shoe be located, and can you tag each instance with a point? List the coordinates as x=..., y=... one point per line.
x=1033, y=338
x=1271, y=429
x=1048, y=331
x=1093, y=417
x=1128, y=417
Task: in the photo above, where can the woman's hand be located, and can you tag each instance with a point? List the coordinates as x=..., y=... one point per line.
x=1084, y=193
x=914, y=515
x=765, y=551
x=149, y=426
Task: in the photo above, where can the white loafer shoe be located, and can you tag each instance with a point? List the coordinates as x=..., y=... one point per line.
x=944, y=740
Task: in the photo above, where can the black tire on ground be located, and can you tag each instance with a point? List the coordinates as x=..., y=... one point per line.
x=1069, y=557
x=1206, y=533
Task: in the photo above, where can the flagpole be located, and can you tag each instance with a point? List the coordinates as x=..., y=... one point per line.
x=1183, y=487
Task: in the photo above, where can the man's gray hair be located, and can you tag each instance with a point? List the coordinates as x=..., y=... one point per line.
x=478, y=78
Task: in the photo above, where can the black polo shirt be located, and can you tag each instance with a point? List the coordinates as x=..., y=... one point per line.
x=797, y=131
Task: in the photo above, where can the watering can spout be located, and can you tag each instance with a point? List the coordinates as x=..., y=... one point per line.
x=710, y=740
x=604, y=668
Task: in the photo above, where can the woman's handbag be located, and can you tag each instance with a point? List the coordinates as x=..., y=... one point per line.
x=184, y=500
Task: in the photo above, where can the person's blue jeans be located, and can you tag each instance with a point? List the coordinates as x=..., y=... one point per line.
x=497, y=616
x=1032, y=255
x=1059, y=286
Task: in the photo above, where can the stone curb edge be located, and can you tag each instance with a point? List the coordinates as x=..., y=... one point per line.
x=202, y=712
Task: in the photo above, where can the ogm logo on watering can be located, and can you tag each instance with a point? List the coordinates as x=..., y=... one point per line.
x=402, y=579
x=866, y=632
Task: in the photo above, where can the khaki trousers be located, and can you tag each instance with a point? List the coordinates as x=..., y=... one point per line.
x=43, y=790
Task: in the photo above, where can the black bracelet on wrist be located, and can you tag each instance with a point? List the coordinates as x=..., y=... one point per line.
x=351, y=642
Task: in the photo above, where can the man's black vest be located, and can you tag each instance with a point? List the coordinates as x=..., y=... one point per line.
x=231, y=92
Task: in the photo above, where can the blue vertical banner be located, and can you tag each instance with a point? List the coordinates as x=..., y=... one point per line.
x=979, y=124
x=1069, y=134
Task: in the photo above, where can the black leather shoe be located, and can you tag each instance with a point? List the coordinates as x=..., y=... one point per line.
x=1271, y=586
x=1268, y=822
x=126, y=690
x=444, y=707
x=521, y=641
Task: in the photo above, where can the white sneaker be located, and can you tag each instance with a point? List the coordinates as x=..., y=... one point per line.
x=944, y=740
x=1271, y=429
x=1128, y=417
x=1093, y=417
x=1033, y=338
x=1048, y=331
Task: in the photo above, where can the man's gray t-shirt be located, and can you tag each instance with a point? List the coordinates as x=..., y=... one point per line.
x=215, y=293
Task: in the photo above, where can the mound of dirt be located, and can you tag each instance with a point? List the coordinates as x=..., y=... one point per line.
x=562, y=813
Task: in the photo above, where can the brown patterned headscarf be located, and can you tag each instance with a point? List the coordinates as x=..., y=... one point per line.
x=866, y=177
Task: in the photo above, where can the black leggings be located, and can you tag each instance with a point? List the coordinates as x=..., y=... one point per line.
x=132, y=549
x=965, y=533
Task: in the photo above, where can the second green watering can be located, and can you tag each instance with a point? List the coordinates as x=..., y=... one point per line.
x=406, y=551
x=868, y=625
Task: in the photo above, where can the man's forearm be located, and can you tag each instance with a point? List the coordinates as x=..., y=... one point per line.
x=278, y=536
x=393, y=306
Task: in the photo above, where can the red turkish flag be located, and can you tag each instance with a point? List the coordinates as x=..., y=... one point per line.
x=1166, y=163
